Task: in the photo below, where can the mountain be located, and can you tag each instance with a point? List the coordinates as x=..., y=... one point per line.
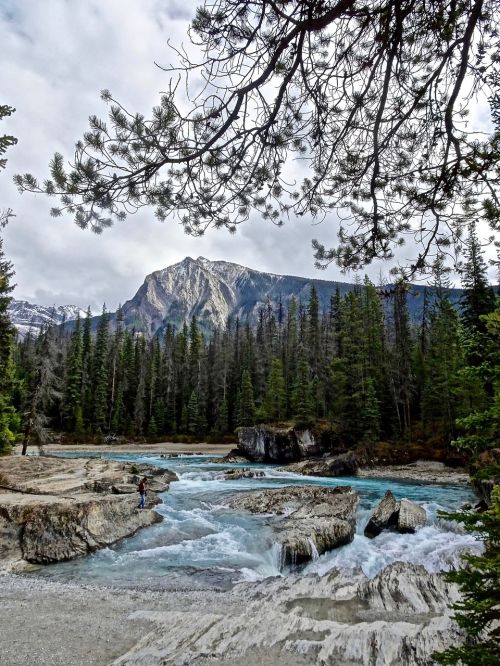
x=213, y=292
x=29, y=317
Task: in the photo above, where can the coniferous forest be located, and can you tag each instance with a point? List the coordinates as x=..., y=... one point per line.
x=362, y=370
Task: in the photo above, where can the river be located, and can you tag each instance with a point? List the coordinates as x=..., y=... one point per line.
x=202, y=544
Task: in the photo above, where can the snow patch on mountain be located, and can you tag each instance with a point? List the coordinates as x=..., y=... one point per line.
x=28, y=317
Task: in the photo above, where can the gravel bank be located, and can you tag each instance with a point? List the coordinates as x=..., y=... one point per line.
x=46, y=623
x=164, y=447
x=426, y=471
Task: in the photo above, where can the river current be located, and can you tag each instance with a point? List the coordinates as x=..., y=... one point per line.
x=203, y=544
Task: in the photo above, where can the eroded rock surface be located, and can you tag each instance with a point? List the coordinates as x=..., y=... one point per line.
x=313, y=519
x=54, y=509
x=399, y=617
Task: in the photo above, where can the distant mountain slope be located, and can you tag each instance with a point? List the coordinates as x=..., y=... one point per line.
x=29, y=317
x=212, y=291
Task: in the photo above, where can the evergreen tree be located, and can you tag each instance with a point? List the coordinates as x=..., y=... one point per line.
x=443, y=389
x=87, y=379
x=370, y=415
x=74, y=376
x=8, y=418
x=100, y=374
x=480, y=427
x=246, y=411
x=43, y=390
x=139, y=413
x=401, y=374
x=193, y=414
x=479, y=297
x=274, y=405
x=313, y=331
x=301, y=394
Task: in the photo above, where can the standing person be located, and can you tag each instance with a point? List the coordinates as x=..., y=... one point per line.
x=143, y=487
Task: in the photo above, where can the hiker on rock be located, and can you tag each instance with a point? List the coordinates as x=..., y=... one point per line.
x=143, y=483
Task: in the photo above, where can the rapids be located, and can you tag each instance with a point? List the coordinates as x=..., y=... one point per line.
x=202, y=544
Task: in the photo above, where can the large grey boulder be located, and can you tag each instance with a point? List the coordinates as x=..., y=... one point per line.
x=404, y=517
x=278, y=445
x=384, y=516
x=312, y=519
x=410, y=517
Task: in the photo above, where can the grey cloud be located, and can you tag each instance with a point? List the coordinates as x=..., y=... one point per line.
x=58, y=55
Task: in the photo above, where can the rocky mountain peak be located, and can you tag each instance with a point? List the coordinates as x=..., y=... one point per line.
x=211, y=291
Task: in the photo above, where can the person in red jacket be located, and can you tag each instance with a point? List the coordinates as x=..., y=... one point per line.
x=143, y=487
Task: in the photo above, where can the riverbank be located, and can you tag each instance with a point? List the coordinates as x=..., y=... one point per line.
x=424, y=471
x=167, y=448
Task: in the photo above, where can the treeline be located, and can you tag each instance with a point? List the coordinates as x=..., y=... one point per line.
x=362, y=368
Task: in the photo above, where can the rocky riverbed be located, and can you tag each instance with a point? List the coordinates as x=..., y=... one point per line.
x=208, y=585
x=53, y=509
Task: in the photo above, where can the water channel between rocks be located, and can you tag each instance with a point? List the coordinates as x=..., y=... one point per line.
x=203, y=544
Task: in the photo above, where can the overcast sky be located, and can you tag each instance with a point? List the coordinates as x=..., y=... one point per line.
x=56, y=57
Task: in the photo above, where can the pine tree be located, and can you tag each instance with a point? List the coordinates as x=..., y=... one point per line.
x=73, y=390
x=442, y=396
x=8, y=419
x=274, y=405
x=313, y=333
x=100, y=374
x=479, y=297
x=193, y=414
x=87, y=380
x=44, y=389
x=116, y=375
x=370, y=416
x=301, y=394
x=246, y=411
x=139, y=413
x=480, y=428
x=401, y=381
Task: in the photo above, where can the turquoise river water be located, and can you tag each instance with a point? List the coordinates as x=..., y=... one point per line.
x=203, y=544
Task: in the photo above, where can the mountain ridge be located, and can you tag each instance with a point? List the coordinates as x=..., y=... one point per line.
x=213, y=292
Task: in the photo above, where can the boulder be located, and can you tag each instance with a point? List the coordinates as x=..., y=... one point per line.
x=384, y=516
x=312, y=520
x=345, y=464
x=410, y=517
x=278, y=445
x=266, y=444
